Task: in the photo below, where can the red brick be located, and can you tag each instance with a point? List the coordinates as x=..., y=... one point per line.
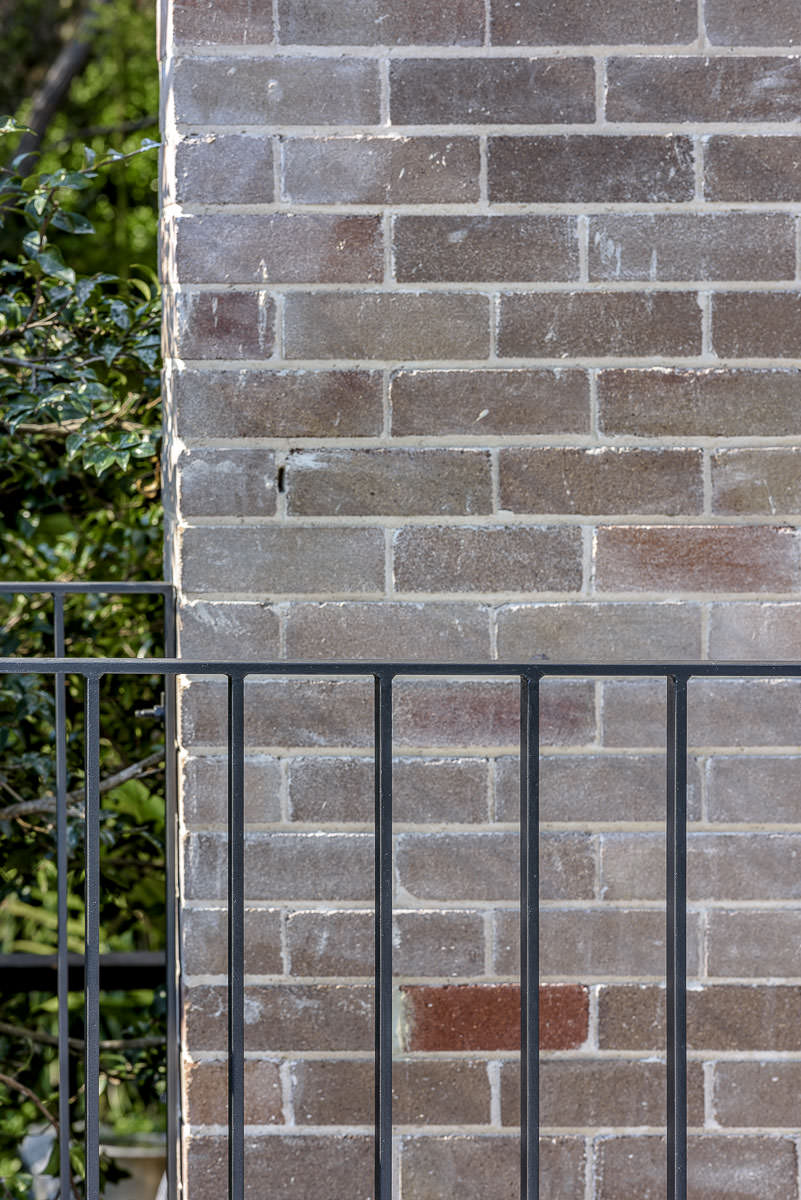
x=381, y=170
x=719, y=1017
x=219, y=325
x=753, y=168
x=692, y=246
x=461, y=249
x=466, y=1017
x=325, y=789
x=376, y=325
x=756, y=324
x=384, y=22
x=491, y=91
x=483, y=402
x=718, y=1168
x=494, y=559
x=484, y=866
x=287, y=559
x=277, y=404
x=599, y=324
x=738, y=23
x=712, y=402
x=424, y=1093
x=283, y=1017
x=226, y=483
x=703, y=89
x=476, y=1167
x=600, y=480
x=209, y=21
x=228, y=631
x=757, y=630
x=574, y=22
x=474, y=713
x=600, y=1092
x=586, y=168
x=224, y=168
x=206, y=1093
x=705, y=558
x=572, y=631
x=265, y=91
x=297, y=1167
x=403, y=482
x=279, y=248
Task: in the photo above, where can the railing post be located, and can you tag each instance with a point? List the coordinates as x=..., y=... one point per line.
x=236, y=937
x=383, y=935
x=529, y=934
x=676, y=941
x=92, y=933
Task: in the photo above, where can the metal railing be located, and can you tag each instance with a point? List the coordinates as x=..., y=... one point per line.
x=87, y=972
x=383, y=674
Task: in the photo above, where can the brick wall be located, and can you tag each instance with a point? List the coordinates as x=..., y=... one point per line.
x=482, y=339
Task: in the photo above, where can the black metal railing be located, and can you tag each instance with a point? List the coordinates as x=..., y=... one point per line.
x=87, y=972
x=384, y=674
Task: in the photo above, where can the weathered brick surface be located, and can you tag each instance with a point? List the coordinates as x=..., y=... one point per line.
x=208, y=22
x=227, y=168
x=744, y=944
x=284, y=1017
x=386, y=22
x=577, y=22
x=742, y=631
x=756, y=481
x=296, y=1166
x=703, y=89
x=719, y=1017
x=775, y=23
x=717, y=1168
x=424, y=1093
x=461, y=249
x=205, y=941
x=756, y=324
x=222, y=324
x=476, y=1167
x=510, y=559
x=206, y=1093
x=772, y=1088
x=752, y=168
x=405, y=631
x=212, y=630
x=598, y=632
x=220, y=483
x=205, y=783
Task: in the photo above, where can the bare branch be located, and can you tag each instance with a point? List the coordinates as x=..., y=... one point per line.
x=78, y=1045
x=48, y=803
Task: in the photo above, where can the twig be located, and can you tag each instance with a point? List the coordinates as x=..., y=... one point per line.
x=48, y=803
x=78, y=1045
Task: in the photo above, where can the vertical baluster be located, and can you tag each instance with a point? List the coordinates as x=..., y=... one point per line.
x=529, y=936
x=92, y=946
x=62, y=868
x=383, y=936
x=676, y=965
x=236, y=937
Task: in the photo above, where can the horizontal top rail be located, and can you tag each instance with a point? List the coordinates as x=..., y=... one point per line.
x=237, y=668
x=147, y=587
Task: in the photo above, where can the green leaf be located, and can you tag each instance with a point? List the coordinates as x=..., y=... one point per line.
x=119, y=314
x=53, y=264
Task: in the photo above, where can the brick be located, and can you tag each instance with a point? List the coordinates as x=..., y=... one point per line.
x=711, y=402
x=473, y=713
x=220, y=325
x=297, y=1167
x=599, y=324
x=594, y=788
x=719, y=1017
x=224, y=168
x=283, y=712
x=575, y=631
x=600, y=480
x=718, y=1168
x=386, y=629
x=476, y=1167
x=281, y=866
x=752, y=168
x=228, y=631
x=325, y=789
x=381, y=22
x=279, y=248
x=468, y=1017
x=576, y=22
x=607, y=942
x=497, y=559
x=461, y=249
x=376, y=325
x=701, y=558
x=491, y=91
x=403, y=482
x=703, y=89
x=277, y=403
x=586, y=168
x=484, y=866
x=483, y=403
x=204, y=790
x=600, y=1092
x=274, y=91
x=756, y=324
x=720, y=866
x=381, y=170
x=737, y=23
x=209, y=22
x=744, y=944
x=732, y=712
x=692, y=246
x=742, y=631
x=257, y=559
x=204, y=938
x=236, y=482
x=284, y=1017
x=435, y=942
x=770, y=1089
x=754, y=789
x=206, y=1093
x=424, y=1093
x=756, y=481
